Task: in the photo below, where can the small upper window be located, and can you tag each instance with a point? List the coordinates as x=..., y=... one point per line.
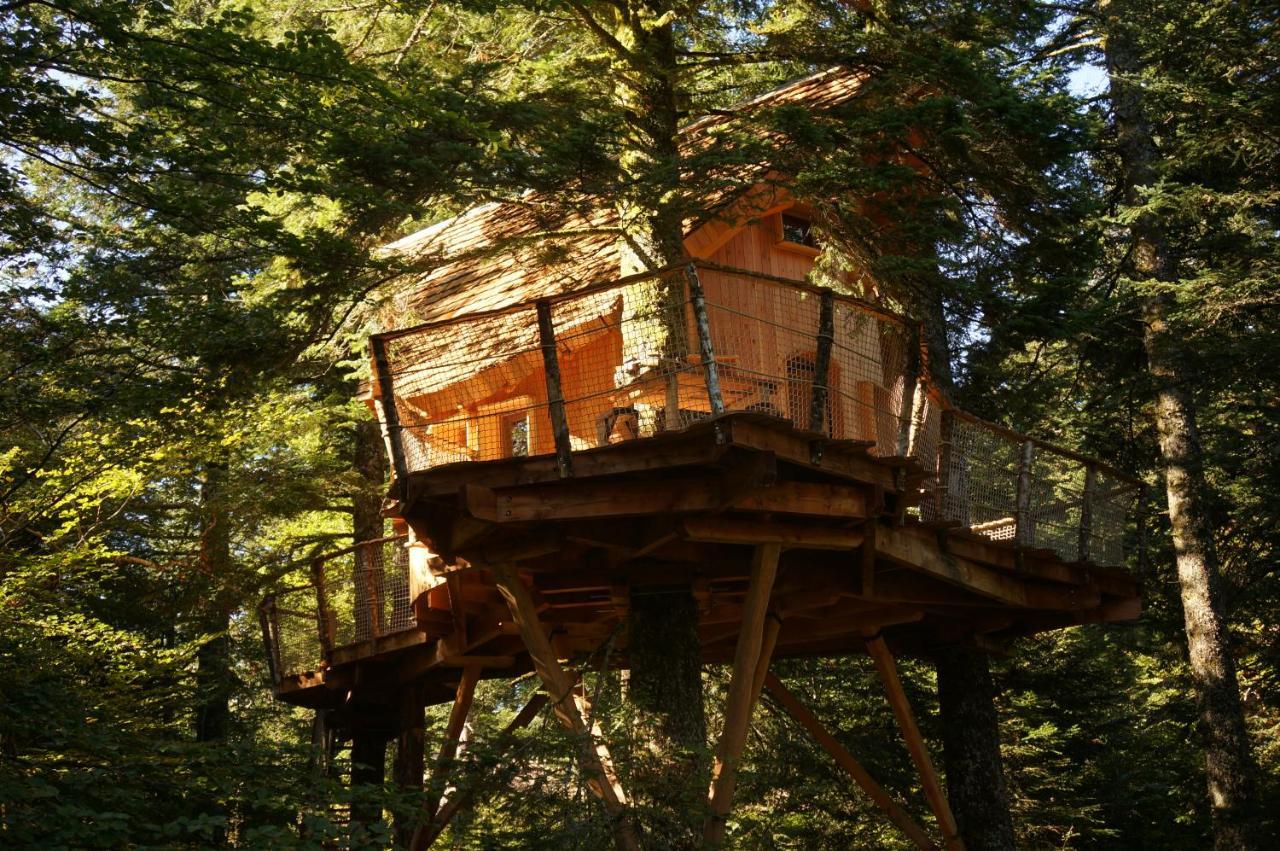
x=797, y=230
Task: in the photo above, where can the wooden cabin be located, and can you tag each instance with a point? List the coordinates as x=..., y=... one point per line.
x=563, y=431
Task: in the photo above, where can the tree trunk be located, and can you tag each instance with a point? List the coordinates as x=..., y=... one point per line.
x=971, y=749
x=367, y=524
x=368, y=771
x=214, y=679
x=668, y=782
x=1229, y=767
x=966, y=695
x=213, y=659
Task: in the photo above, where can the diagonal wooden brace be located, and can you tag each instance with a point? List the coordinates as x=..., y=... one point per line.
x=888, y=671
x=593, y=754
x=743, y=691
x=427, y=833
x=462, y=701
x=845, y=760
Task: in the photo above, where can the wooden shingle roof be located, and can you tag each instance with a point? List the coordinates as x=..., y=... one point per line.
x=499, y=254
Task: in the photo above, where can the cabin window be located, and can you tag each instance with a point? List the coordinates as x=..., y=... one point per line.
x=800, y=375
x=515, y=430
x=797, y=230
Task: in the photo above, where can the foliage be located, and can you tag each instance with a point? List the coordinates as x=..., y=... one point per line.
x=191, y=197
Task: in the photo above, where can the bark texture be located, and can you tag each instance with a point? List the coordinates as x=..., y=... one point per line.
x=971, y=750
x=368, y=771
x=213, y=660
x=670, y=761
x=1229, y=767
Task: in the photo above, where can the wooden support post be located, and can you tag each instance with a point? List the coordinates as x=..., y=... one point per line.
x=462, y=700
x=427, y=833
x=1024, y=533
x=593, y=754
x=703, y=324
x=325, y=623
x=385, y=404
x=741, y=697
x=768, y=641
x=555, y=394
x=1086, y=511
x=410, y=747
x=819, y=404
x=937, y=799
x=869, y=558
x=845, y=760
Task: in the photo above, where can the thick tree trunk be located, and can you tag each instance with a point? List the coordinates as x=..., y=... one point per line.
x=665, y=655
x=213, y=659
x=670, y=762
x=1229, y=767
x=971, y=749
x=966, y=694
x=368, y=771
x=214, y=680
x=369, y=459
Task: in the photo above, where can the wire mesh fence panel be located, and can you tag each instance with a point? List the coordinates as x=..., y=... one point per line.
x=365, y=593
x=1055, y=504
x=925, y=445
x=355, y=595
x=294, y=631
x=978, y=479
x=626, y=362
x=1112, y=504
x=469, y=390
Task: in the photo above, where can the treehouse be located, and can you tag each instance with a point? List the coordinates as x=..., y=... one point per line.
x=562, y=433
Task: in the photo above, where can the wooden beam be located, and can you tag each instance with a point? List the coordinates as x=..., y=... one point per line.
x=452, y=735
x=427, y=833
x=937, y=799
x=741, y=530
x=741, y=698
x=845, y=760
x=593, y=754
x=921, y=550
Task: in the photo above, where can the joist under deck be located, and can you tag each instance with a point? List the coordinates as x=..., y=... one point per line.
x=690, y=508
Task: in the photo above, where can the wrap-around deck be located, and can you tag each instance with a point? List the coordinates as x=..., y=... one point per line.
x=659, y=429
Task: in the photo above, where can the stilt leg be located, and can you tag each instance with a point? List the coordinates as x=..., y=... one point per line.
x=852, y=767
x=453, y=731
x=426, y=834
x=888, y=671
x=593, y=754
x=747, y=658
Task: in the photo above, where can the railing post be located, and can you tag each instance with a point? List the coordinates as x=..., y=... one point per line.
x=555, y=395
x=1023, y=534
x=325, y=627
x=385, y=403
x=705, y=349
x=1086, y=511
x=818, y=419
